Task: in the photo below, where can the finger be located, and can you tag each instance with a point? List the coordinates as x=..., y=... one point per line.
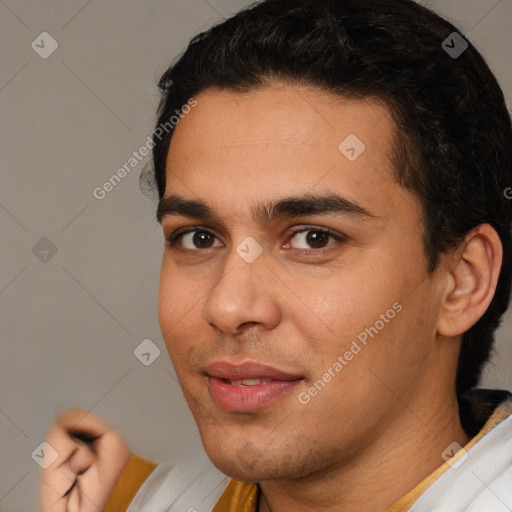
x=58, y=480
x=60, y=474
x=111, y=453
x=82, y=423
x=74, y=500
x=89, y=448
x=72, y=457
x=81, y=460
x=51, y=500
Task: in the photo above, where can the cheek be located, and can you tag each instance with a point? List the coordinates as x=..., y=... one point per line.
x=167, y=290
x=179, y=301
x=344, y=306
x=370, y=313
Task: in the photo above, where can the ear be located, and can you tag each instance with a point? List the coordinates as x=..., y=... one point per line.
x=473, y=271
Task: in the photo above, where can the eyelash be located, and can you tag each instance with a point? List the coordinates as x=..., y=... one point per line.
x=173, y=239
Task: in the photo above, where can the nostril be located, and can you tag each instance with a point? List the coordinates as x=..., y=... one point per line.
x=244, y=326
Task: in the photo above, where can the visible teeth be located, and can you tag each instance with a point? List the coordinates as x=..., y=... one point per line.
x=246, y=382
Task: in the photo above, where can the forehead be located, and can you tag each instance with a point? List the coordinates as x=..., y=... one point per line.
x=283, y=140
x=283, y=116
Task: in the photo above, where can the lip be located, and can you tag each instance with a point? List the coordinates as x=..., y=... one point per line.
x=247, y=398
x=247, y=370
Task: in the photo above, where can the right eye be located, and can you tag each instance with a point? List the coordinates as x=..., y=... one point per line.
x=193, y=240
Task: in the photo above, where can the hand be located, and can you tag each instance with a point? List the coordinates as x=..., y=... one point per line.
x=91, y=456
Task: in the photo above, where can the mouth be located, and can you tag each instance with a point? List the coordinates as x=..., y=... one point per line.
x=249, y=386
x=247, y=382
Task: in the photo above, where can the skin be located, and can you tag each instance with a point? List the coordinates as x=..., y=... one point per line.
x=380, y=426
x=96, y=464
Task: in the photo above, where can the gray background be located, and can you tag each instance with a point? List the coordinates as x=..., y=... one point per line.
x=71, y=324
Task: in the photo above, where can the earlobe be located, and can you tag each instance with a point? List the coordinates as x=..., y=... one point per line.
x=473, y=275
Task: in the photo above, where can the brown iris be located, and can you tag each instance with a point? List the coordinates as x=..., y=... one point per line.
x=203, y=240
x=316, y=239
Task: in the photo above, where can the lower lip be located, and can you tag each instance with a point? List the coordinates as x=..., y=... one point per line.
x=248, y=398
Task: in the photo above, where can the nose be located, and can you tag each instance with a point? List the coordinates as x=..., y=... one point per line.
x=243, y=296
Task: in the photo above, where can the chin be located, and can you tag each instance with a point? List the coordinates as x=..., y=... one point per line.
x=233, y=470
x=243, y=462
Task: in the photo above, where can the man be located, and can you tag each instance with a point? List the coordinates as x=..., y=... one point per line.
x=337, y=260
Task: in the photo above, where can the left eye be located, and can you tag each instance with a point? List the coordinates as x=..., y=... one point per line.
x=313, y=239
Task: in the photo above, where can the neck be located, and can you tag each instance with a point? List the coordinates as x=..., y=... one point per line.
x=375, y=478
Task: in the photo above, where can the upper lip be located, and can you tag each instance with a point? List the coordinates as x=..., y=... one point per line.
x=247, y=370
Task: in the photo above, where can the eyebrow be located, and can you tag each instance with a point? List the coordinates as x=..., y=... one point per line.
x=295, y=206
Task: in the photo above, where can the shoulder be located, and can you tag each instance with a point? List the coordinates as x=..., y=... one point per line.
x=478, y=479
x=183, y=483
x=134, y=474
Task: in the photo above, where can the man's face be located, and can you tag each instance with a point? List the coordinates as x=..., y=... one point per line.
x=291, y=301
